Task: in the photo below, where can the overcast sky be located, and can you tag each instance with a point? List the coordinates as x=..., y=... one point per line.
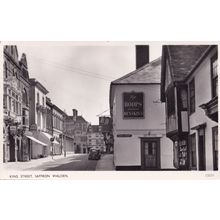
x=79, y=76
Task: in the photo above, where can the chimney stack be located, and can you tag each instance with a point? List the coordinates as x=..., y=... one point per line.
x=142, y=55
x=75, y=113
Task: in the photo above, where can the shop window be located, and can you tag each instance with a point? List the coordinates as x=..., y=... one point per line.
x=214, y=75
x=215, y=147
x=192, y=96
x=193, y=150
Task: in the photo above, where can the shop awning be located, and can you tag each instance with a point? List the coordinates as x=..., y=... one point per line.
x=35, y=140
x=49, y=136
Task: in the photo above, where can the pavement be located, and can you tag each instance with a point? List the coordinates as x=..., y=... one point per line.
x=105, y=163
x=26, y=165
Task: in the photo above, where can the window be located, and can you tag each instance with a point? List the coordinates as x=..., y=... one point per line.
x=170, y=102
x=192, y=96
x=214, y=74
x=193, y=150
x=5, y=70
x=38, y=98
x=24, y=97
x=183, y=99
x=5, y=101
x=9, y=103
x=215, y=147
x=43, y=101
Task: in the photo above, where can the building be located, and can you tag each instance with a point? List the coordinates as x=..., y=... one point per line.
x=106, y=126
x=58, y=126
x=12, y=105
x=40, y=142
x=76, y=127
x=139, y=131
x=95, y=138
x=25, y=149
x=189, y=85
x=55, y=128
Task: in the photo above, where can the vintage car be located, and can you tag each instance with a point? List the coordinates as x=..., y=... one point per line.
x=94, y=154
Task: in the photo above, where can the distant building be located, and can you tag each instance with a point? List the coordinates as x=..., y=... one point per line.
x=95, y=138
x=140, y=141
x=55, y=128
x=76, y=126
x=189, y=88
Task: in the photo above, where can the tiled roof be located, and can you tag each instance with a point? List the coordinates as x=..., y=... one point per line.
x=80, y=119
x=149, y=73
x=183, y=58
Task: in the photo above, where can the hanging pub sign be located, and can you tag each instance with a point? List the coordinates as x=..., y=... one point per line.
x=133, y=105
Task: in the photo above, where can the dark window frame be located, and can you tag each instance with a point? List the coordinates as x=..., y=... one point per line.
x=193, y=145
x=170, y=95
x=192, y=97
x=215, y=163
x=214, y=79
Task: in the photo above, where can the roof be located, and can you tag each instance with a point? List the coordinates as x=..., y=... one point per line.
x=36, y=83
x=80, y=119
x=147, y=74
x=95, y=128
x=183, y=58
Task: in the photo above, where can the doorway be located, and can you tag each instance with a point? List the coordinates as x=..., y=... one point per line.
x=201, y=148
x=150, y=154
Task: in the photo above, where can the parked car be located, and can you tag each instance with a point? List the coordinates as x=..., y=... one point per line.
x=94, y=154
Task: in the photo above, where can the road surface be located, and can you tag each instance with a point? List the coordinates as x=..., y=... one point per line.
x=75, y=162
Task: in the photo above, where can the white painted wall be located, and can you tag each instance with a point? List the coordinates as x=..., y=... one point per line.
x=202, y=78
x=42, y=117
x=127, y=151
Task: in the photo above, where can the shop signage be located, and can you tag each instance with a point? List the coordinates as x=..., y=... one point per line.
x=124, y=135
x=133, y=105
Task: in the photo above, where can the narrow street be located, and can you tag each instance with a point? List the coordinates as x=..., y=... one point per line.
x=75, y=162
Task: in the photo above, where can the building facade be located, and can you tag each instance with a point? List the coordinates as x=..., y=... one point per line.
x=12, y=105
x=41, y=144
x=140, y=141
x=76, y=127
x=189, y=88
x=58, y=126
x=95, y=138
x=106, y=126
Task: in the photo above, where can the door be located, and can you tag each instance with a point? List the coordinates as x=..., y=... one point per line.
x=201, y=149
x=150, y=154
x=215, y=147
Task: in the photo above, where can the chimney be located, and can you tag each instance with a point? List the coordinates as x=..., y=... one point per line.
x=75, y=113
x=142, y=55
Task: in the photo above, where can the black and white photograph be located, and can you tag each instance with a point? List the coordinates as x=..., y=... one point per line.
x=110, y=106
